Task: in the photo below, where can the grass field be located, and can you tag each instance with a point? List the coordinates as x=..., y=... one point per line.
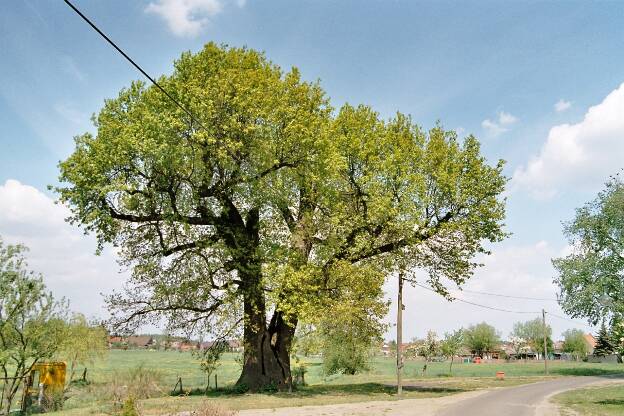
x=593, y=401
x=372, y=385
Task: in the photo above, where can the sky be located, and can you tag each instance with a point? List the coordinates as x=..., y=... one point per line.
x=539, y=83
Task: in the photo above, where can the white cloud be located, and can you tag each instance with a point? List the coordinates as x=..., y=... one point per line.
x=186, y=17
x=500, y=125
x=562, y=105
x=580, y=155
x=70, y=113
x=517, y=270
x=59, y=251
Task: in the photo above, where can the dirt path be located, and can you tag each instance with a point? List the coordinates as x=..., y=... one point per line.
x=525, y=400
x=411, y=407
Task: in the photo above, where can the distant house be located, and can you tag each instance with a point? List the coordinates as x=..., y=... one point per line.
x=235, y=345
x=135, y=341
x=187, y=346
x=232, y=345
x=140, y=341
x=591, y=342
x=115, y=342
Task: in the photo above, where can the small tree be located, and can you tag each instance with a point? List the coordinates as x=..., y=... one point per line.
x=347, y=349
x=209, y=358
x=307, y=341
x=533, y=333
x=451, y=346
x=31, y=324
x=617, y=335
x=429, y=348
x=604, y=346
x=83, y=344
x=518, y=344
x=574, y=343
x=481, y=338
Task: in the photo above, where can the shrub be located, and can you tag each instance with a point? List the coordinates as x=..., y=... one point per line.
x=138, y=382
x=240, y=388
x=129, y=408
x=209, y=409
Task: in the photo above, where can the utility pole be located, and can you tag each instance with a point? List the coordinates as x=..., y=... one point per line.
x=399, y=352
x=545, y=348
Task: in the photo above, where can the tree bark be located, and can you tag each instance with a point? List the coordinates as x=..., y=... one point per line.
x=266, y=358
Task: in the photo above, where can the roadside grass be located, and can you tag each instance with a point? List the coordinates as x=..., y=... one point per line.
x=372, y=385
x=592, y=401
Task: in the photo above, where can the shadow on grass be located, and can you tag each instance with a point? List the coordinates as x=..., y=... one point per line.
x=613, y=402
x=588, y=371
x=365, y=389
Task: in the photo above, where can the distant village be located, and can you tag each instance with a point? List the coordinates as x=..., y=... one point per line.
x=163, y=342
x=505, y=351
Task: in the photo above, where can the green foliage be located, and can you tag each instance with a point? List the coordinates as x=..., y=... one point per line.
x=590, y=277
x=82, y=344
x=307, y=341
x=429, y=347
x=240, y=388
x=451, y=346
x=574, y=343
x=617, y=335
x=604, y=345
x=129, y=408
x=532, y=332
x=275, y=202
x=481, y=338
x=298, y=375
x=31, y=321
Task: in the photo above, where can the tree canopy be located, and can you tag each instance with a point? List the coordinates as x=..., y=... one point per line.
x=275, y=205
x=574, y=343
x=591, y=278
x=31, y=322
x=481, y=338
x=533, y=333
x=604, y=344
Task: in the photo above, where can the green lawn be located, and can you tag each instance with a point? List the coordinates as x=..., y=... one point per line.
x=372, y=385
x=593, y=401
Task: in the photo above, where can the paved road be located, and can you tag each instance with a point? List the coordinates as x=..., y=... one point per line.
x=526, y=400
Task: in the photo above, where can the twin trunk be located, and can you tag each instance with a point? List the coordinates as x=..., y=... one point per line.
x=266, y=358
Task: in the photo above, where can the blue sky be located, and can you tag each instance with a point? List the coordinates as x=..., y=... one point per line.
x=493, y=69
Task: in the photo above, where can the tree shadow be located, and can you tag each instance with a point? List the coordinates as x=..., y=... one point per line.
x=597, y=372
x=614, y=402
x=365, y=389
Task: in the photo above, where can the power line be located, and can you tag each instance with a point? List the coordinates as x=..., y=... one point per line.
x=125, y=55
x=568, y=319
x=478, y=304
x=508, y=296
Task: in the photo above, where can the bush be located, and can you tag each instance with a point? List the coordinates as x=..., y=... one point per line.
x=129, y=408
x=209, y=409
x=240, y=388
x=298, y=375
x=136, y=383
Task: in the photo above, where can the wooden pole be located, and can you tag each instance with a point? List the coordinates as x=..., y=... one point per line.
x=545, y=348
x=399, y=352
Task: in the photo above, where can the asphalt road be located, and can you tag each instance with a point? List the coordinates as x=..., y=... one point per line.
x=526, y=400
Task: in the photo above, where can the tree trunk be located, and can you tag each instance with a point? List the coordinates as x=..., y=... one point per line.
x=266, y=358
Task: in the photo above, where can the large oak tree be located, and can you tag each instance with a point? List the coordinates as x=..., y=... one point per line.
x=591, y=277
x=270, y=208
